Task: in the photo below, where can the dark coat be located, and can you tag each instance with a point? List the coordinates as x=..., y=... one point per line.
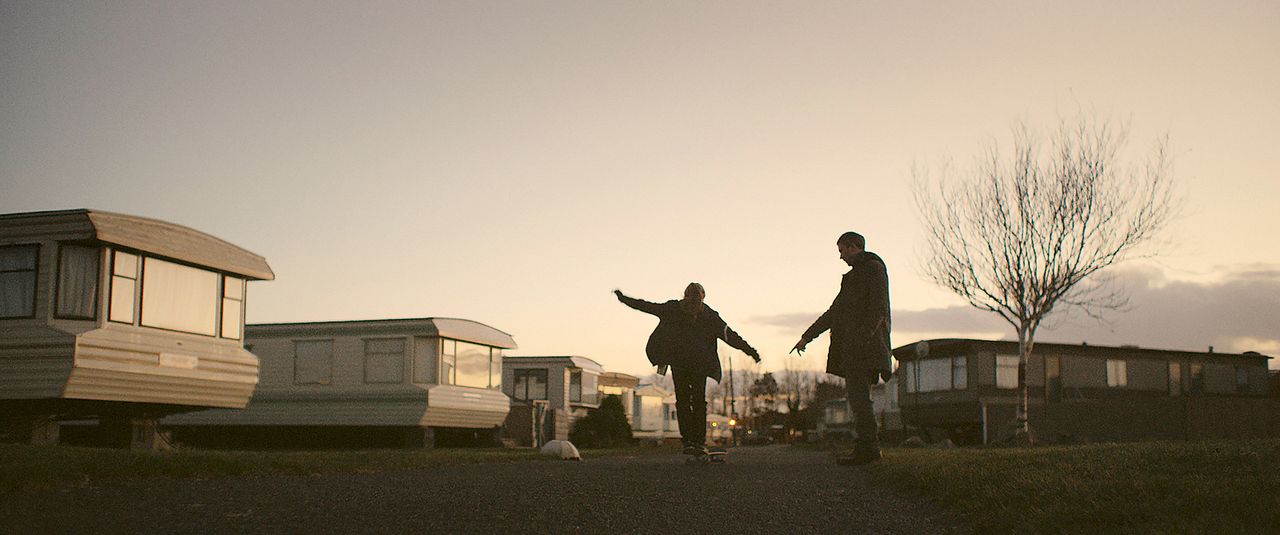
x=684, y=342
x=859, y=319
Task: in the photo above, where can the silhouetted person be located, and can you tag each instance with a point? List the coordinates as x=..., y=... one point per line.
x=685, y=340
x=859, y=321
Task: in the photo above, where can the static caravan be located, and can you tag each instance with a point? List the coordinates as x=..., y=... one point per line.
x=621, y=385
x=837, y=421
x=548, y=394
x=119, y=319
x=968, y=391
x=654, y=414
x=399, y=382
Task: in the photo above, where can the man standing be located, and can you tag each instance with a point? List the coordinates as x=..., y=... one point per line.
x=859, y=321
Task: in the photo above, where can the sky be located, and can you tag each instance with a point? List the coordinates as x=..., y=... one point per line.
x=514, y=162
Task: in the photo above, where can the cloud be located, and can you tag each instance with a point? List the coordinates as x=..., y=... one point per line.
x=1240, y=311
x=799, y=321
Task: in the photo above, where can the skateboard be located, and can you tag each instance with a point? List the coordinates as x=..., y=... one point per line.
x=711, y=457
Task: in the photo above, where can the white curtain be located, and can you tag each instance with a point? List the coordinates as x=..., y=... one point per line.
x=17, y=281
x=179, y=297
x=313, y=362
x=77, y=281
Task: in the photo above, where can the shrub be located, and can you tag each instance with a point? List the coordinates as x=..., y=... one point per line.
x=604, y=427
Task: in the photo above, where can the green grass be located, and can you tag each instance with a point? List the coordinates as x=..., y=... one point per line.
x=1159, y=487
x=25, y=468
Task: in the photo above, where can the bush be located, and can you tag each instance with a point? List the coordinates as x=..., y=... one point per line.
x=605, y=427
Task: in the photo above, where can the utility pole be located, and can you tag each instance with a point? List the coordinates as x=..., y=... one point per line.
x=733, y=406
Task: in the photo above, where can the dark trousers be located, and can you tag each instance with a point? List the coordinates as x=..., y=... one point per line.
x=691, y=405
x=858, y=386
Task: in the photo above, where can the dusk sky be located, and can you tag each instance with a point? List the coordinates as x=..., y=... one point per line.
x=514, y=162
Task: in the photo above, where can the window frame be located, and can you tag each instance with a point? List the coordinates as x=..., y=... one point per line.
x=495, y=368
x=328, y=378
x=1242, y=379
x=452, y=378
x=517, y=373
x=934, y=384
x=1117, y=373
x=217, y=296
x=1053, y=378
x=93, y=292
x=136, y=292
x=460, y=348
x=367, y=354
x=222, y=305
x=138, y=278
x=960, y=374
x=910, y=373
x=1195, y=378
x=1017, y=360
x=578, y=375
x=35, y=274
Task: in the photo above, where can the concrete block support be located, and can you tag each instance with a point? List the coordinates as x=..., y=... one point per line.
x=420, y=437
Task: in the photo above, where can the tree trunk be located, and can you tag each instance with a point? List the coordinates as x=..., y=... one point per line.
x=1025, y=346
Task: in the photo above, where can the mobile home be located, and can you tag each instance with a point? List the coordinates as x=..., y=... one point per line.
x=119, y=319
x=548, y=394
x=401, y=382
x=968, y=390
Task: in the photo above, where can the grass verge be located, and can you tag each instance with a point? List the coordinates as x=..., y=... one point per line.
x=1160, y=487
x=26, y=468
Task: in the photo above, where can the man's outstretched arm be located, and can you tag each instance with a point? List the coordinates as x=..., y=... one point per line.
x=638, y=304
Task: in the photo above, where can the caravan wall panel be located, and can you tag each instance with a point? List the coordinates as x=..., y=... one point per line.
x=34, y=362
x=124, y=363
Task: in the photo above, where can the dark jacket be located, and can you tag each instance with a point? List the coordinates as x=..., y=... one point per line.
x=686, y=343
x=859, y=319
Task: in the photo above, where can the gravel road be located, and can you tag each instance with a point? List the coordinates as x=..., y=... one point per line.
x=775, y=489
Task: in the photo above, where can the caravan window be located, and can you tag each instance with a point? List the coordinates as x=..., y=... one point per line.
x=1006, y=371
x=426, y=359
x=959, y=373
x=575, y=386
x=124, y=285
x=384, y=360
x=313, y=362
x=178, y=297
x=530, y=384
x=448, y=361
x=232, y=307
x=908, y=371
x=934, y=374
x=495, y=368
x=78, y=281
x=1117, y=373
x=473, y=365
x=18, y=281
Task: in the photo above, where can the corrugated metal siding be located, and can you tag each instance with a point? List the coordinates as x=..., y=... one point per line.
x=456, y=406
x=123, y=363
x=35, y=362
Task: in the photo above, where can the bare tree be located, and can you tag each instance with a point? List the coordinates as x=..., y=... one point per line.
x=796, y=386
x=1028, y=233
x=765, y=391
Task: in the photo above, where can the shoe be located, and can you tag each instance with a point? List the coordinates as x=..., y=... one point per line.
x=859, y=458
x=695, y=449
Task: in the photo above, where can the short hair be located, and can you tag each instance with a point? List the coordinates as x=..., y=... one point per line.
x=854, y=238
